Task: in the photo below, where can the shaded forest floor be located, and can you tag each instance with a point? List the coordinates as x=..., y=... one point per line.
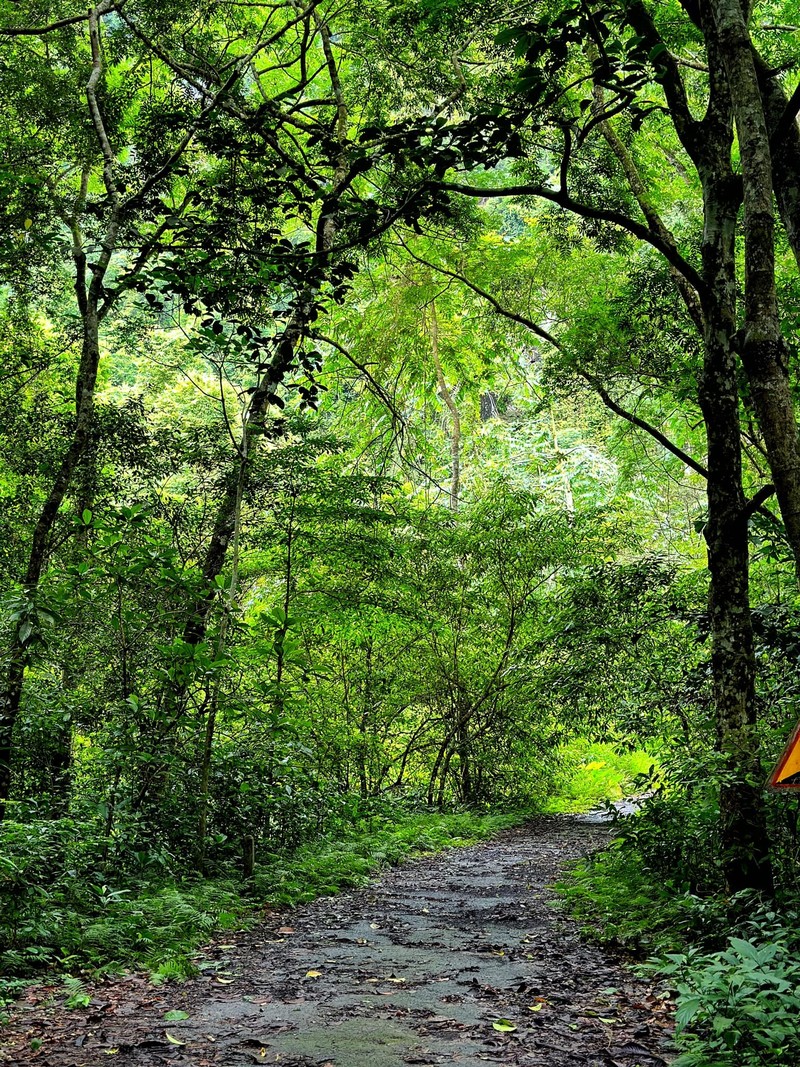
x=414, y=970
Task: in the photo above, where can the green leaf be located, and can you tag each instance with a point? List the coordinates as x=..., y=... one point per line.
x=176, y=1015
x=509, y=34
x=173, y=1040
x=505, y=1026
x=688, y=1007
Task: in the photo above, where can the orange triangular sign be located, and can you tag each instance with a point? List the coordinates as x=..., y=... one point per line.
x=787, y=770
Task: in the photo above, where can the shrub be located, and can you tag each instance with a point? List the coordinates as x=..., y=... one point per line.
x=738, y=1007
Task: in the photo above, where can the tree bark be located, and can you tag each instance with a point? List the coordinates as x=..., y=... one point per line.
x=762, y=346
x=745, y=846
x=784, y=136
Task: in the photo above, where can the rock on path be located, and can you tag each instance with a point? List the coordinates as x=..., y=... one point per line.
x=414, y=970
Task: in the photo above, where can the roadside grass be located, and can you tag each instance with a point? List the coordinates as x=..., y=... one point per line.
x=330, y=865
x=84, y=922
x=618, y=903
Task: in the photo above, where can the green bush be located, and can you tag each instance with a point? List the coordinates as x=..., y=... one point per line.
x=617, y=901
x=676, y=834
x=738, y=1007
x=737, y=980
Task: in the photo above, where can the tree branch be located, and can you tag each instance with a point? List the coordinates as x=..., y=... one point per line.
x=376, y=387
x=94, y=110
x=656, y=434
x=109, y=242
x=529, y=324
x=686, y=126
x=641, y=193
x=617, y=218
x=755, y=503
x=604, y=395
x=187, y=139
x=39, y=31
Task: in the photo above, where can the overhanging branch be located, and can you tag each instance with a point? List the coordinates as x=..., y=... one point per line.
x=588, y=211
x=635, y=420
x=40, y=31
x=601, y=391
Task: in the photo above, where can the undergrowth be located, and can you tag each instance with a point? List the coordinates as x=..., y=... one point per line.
x=730, y=962
x=738, y=1007
x=617, y=903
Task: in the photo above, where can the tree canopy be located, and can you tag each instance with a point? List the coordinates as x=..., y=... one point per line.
x=392, y=397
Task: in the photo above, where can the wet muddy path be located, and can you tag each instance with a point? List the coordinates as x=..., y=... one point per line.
x=415, y=970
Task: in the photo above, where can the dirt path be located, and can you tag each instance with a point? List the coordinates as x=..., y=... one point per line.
x=413, y=971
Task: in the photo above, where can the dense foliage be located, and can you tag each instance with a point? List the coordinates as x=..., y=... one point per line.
x=397, y=401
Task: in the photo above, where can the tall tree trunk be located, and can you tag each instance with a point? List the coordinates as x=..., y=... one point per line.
x=745, y=847
x=745, y=851
x=11, y=687
x=781, y=116
x=213, y=703
x=763, y=349
x=297, y=328
x=255, y=415
x=93, y=302
x=365, y=725
x=466, y=785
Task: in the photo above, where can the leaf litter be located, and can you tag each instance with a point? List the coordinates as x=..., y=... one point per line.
x=457, y=959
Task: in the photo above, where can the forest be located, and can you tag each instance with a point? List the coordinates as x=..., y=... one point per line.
x=398, y=439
